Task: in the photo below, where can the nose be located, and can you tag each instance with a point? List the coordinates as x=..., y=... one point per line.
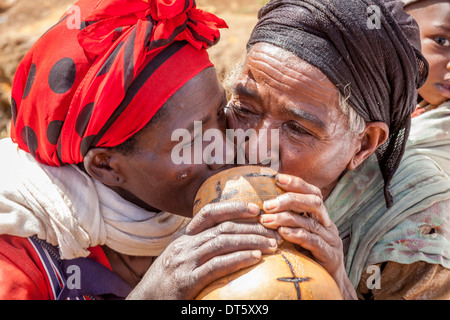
x=219, y=154
x=262, y=147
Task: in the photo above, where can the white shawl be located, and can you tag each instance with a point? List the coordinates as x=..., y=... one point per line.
x=67, y=208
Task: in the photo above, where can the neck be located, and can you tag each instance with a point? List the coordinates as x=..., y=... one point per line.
x=124, y=194
x=130, y=268
x=133, y=199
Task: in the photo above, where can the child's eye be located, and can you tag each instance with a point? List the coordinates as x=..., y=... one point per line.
x=442, y=41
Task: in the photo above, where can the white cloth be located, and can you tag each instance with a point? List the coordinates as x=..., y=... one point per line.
x=67, y=208
x=430, y=135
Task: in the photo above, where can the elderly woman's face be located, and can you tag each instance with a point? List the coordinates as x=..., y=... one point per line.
x=278, y=91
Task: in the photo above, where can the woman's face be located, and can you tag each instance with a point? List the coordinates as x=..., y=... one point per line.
x=433, y=18
x=278, y=91
x=150, y=176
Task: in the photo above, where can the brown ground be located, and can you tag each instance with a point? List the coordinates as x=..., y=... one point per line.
x=23, y=21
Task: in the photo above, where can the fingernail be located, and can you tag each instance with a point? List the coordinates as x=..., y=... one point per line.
x=285, y=230
x=273, y=243
x=267, y=218
x=256, y=254
x=283, y=178
x=253, y=208
x=271, y=204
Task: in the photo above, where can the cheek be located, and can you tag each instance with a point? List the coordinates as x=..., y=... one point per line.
x=436, y=60
x=185, y=181
x=183, y=175
x=437, y=68
x=437, y=74
x=320, y=166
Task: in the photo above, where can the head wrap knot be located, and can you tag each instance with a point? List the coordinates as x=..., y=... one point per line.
x=99, y=84
x=164, y=21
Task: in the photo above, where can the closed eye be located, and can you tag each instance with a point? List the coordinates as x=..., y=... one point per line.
x=239, y=109
x=297, y=129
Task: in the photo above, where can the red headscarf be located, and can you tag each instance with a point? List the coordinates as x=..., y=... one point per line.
x=100, y=84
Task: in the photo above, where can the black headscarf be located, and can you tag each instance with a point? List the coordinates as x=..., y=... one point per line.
x=375, y=61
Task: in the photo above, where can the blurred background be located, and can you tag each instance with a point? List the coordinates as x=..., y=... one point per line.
x=22, y=22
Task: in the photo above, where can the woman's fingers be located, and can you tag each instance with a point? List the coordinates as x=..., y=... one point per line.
x=329, y=255
x=215, y=213
x=295, y=220
x=310, y=204
x=294, y=184
x=300, y=197
x=314, y=243
x=226, y=244
x=224, y=265
x=231, y=236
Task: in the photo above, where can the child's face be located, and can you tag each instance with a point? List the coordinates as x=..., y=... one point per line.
x=433, y=17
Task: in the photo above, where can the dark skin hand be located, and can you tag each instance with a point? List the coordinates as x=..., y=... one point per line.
x=212, y=245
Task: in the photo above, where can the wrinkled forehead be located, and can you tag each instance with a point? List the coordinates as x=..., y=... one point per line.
x=286, y=73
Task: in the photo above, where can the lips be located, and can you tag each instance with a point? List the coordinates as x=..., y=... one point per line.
x=444, y=88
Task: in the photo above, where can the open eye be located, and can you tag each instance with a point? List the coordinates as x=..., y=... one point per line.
x=442, y=41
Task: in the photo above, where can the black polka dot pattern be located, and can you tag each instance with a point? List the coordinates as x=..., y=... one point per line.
x=85, y=144
x=30, y=81
x=13, y=110
x=62, y=75
x=108, y=63
x=83, y=119
x=29, y=137
x=54, y=130
x=58, y=153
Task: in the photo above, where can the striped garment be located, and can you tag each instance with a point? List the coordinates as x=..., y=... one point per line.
x=31, y=268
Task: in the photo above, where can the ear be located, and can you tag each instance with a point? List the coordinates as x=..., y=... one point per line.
x=104, y=165
x=375, y=134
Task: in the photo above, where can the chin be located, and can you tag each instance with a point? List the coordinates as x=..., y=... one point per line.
x=184, y=212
